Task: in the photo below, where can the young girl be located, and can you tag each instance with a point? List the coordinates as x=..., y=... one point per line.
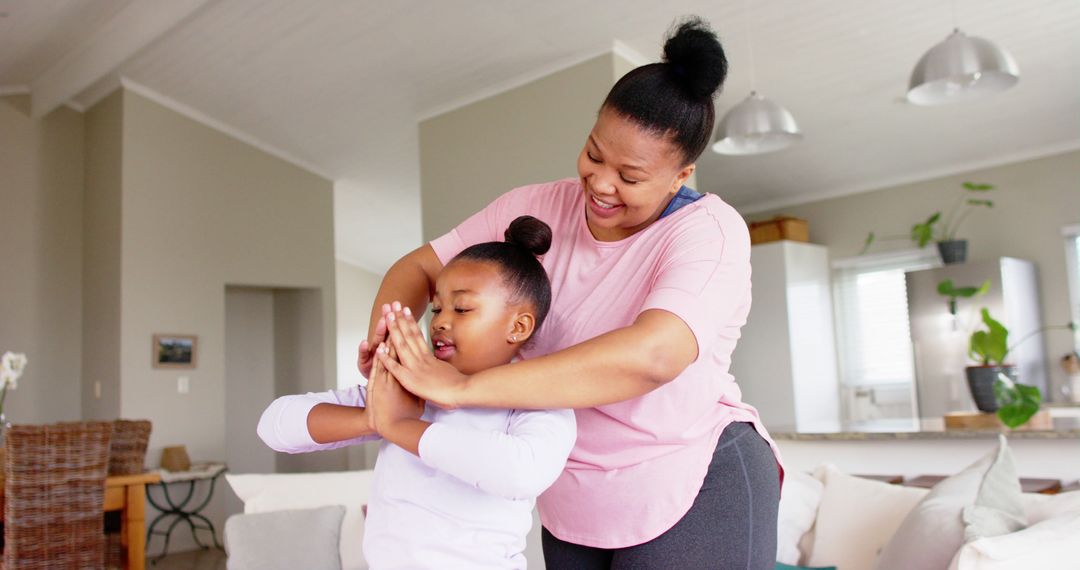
x=452, y=488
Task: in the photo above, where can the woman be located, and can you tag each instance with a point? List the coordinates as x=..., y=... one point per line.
x=651, y=285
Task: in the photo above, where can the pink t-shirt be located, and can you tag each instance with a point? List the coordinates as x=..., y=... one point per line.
x=637, y=465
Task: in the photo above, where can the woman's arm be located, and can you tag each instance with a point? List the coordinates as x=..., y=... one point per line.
x=316, y=421
x=616, y=366
x=409, y=283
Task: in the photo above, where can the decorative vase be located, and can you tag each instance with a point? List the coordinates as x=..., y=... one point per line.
x=981, y=383
x=952, y=251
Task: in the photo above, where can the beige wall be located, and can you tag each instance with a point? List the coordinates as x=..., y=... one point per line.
x=202, y=210
x=530, y=134
x=41, y=187
x=101, y=261
x=1032, y=202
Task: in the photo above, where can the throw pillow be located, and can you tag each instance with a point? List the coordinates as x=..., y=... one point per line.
x=798, y=508
x=351, y=489
x=1047, y=544
x=285, y=540
x=856, y=518
x=934, y=530
x=1038, y=507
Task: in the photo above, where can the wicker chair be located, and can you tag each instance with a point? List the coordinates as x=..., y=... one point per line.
x=55, y=495
x=127, y=452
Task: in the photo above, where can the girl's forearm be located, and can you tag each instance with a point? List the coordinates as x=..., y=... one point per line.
x=328, y=423
x=617, y=366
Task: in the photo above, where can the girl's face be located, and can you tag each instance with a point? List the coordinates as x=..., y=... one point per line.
x=629, y=176
x=474, y=324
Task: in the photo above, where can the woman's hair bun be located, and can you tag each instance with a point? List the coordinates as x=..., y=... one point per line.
x=694, y=58
x=529, y=233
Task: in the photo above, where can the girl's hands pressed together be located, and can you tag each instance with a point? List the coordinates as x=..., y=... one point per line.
x=394, y=412
x=416, y=367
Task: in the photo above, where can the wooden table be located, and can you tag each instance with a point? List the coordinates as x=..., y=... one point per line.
x=127, y=494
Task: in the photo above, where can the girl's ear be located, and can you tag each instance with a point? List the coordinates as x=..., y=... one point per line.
x=521, y=328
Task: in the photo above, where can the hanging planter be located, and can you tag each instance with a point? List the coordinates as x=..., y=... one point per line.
x=952, y=251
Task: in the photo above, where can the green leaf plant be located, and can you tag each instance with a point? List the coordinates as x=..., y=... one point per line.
x=953, y=292
x=937, y=229
x=1017, y=402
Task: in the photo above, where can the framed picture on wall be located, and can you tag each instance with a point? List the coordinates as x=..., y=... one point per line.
x=175, y=350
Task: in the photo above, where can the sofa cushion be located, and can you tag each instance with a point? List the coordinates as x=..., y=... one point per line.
x=798, y=508
x=981, y=500
x=285, y=540
x=350, y=489
x=1038, y=508
x=856, y=518
x=1051, y=543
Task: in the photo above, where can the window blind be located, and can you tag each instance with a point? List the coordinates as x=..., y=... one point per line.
x=873, y=331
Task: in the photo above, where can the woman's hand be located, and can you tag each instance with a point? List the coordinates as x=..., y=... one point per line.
x=416, y=367
x=366, y=352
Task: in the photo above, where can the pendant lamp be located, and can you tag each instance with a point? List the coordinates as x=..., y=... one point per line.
x=756, y=125
x=961, y=68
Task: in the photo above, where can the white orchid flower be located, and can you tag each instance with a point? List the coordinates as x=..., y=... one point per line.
x=11, y=368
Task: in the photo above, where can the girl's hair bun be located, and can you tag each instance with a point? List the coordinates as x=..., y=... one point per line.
x=529, y=233
x=694, y=58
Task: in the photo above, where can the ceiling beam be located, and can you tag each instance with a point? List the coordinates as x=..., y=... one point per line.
x=132, y=28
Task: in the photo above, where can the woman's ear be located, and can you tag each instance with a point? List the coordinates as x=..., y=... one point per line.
x=521, y=328
x=684, y=175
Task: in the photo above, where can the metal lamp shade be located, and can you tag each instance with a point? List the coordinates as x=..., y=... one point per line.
x=756, y=126
x=961, y=68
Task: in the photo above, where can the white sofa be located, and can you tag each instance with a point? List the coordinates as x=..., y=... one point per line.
x=830, y=518
x=827, y=518
x=279, y=492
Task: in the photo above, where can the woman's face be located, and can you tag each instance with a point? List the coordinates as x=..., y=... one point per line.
x=474, y=324
x=629, y=176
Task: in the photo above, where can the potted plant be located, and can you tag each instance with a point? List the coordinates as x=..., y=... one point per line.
x=944, y=231
x=952, y=292
x=989, y=347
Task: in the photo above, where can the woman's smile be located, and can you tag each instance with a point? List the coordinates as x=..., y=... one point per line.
x=602, y=208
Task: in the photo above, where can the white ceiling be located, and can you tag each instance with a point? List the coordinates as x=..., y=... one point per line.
x=338, y=86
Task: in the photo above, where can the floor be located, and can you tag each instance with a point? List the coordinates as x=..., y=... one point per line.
x=211, y=559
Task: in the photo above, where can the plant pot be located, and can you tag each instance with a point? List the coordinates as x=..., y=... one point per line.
x=981, y=383
x=952, y=251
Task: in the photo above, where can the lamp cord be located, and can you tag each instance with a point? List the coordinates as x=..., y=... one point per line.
x=747, y=12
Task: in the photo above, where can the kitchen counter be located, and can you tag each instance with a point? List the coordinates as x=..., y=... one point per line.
x=912, y=429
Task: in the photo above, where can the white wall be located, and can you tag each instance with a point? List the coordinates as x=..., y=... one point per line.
x=41, y=199
x=1039, y=458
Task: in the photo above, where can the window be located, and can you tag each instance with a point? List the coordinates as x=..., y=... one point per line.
x=1072, y=264
x=873, y=331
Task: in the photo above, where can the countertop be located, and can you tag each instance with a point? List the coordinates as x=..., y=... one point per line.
x=907, y=429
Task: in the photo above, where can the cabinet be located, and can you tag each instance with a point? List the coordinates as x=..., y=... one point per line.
x=785, y=362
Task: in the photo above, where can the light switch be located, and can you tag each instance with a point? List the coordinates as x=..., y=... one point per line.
x=183, y=385
x=97, y=389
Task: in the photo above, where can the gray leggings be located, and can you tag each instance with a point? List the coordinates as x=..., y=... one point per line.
x=732, y=523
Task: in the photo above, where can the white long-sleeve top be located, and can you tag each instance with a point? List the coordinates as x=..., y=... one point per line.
x=466, y=501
